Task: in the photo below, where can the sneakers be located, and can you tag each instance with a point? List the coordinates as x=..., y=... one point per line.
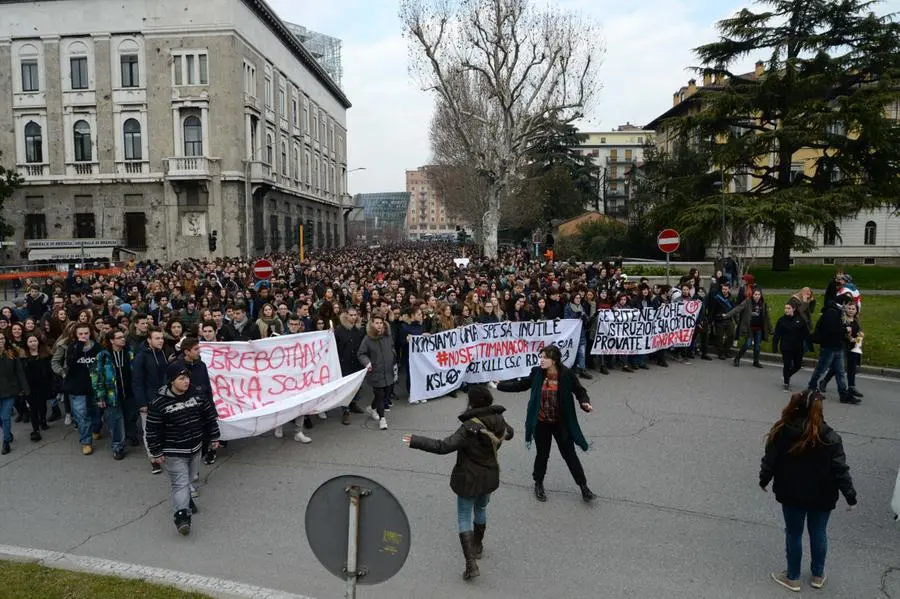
x=850, y=399
x=782, y=579
x=209, y=459
x=382, y=424
x=119, y=455
x=323, y=416
x=852, y=391
x=194, y=492
x=300, y=437
x=96, y=436
x=68, y=420
x=372, y=414
x=586, y=493
x=86, y=450
x=35, y=436
x=817, y=582
x=183, y=522
x=5, y=450
x=539, y=492
x=155, y=468
x=279, y=432
x=786, y=387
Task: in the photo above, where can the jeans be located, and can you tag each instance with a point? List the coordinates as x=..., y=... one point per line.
x=6, y=406
x=86, y=416
x=852, y=362
x=182, y=472
x=544, y=432
x=816, y=523
x=791, y=363
x=465, y=506
x=830, y=359
x=115, y=422
x=579, y=357
x=754, y=338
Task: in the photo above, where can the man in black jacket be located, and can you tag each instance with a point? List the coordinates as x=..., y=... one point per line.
x=348, y=337
x=179, y=421
x=830, y=333
x=148, y=376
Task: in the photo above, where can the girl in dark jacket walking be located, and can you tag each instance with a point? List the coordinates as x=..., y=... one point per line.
x=477, y=472
x=12, y=385
x=39, y=375
x=806, y=458
x=551, y=415
x=792, y=335
x=376, y=354
x=753, y=325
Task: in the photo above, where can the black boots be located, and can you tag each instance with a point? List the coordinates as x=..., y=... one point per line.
x=183, y=522
x=852, y=391
x=467, y=540
x=479, y=539
x=586, y=493
x=539, y=492
x=582, y=373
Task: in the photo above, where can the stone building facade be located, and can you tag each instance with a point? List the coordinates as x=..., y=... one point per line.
x=157, y=124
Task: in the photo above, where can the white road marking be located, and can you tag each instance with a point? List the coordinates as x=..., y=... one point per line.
x=217, y=587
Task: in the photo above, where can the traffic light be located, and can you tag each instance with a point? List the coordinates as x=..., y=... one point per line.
x=213, y=238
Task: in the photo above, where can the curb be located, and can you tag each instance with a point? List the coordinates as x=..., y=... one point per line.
x=892, y=373
x=214, y=587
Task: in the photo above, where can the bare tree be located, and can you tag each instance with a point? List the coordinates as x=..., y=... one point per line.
x=499, y=69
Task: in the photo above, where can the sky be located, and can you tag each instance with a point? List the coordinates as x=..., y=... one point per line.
x=648, y=57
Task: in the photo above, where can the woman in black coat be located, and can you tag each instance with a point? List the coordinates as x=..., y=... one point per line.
x=791, y=335
x=551, y=415
x=476, y=473
x=36, y=363
x=806, y=459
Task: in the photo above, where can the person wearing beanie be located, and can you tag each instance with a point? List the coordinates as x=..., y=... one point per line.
x=179, y=421
x=477, y=471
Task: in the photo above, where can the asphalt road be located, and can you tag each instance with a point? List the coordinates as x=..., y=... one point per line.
x=674, y=462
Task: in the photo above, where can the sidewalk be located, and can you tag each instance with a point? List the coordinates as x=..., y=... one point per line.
x=893, y=373
x=821, y=292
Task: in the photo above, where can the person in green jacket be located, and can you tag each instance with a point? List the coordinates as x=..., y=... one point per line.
x=551, y=415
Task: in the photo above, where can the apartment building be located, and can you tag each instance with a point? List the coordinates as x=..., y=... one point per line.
x=618, y=155
x=871, y=237
x=146, y=128
x=427, y=217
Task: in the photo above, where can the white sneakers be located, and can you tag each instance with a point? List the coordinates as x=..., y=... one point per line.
x=323, y=416
x=372, y=413
x=382, y=424
x=299, y=436
x=279, y=432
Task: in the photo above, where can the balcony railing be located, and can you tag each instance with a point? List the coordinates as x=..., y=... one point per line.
x=81, y=169
x=188, y=167
x=132, y=167
x=33, y=170
x=260, y=172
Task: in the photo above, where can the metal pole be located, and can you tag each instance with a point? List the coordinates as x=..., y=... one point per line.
x=352, y=541
x=722, y=242
x=667, y=267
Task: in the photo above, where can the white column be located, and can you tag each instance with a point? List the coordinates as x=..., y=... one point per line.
x=204, y=118
x=176, y=133
x=248, y=132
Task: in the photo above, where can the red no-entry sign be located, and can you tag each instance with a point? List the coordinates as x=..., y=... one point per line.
x=263, y=269
x=668, y=241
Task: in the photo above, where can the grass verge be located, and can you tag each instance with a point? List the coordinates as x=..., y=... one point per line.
x=20, y=580
x=879, y=321
x=817, y=277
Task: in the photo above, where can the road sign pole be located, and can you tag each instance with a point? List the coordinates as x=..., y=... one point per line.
x=355, y=492
x=667, y=267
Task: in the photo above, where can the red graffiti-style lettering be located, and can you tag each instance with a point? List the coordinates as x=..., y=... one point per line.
x=242, y=393
x=297, y=356
x=286, y=383
x=669, y=339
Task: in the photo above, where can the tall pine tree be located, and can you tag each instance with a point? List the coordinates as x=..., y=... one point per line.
x=825, y=96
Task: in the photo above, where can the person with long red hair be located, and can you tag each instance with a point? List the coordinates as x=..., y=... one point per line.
x=806, y=459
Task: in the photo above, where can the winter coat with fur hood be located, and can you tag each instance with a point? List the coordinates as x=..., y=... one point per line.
x=378, y=351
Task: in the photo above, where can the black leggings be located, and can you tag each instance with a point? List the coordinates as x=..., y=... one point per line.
x=791, y=362
x=379, y=399
x=38, y=408
x=543, y=434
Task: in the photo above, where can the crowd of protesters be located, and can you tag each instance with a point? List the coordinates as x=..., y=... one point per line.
x=107, y=353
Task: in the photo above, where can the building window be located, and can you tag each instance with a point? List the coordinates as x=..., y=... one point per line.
x=829, y=234
x=295, y=162
x=603, y=140
x=82, y=133
x=132, y=133
x=78, y=66
x=640, y=140
x=193, y=137
x=35, y=226
x=30, y=79
x=250, y=80
x=136, y=230
x=190, y=68
x=268, y=92
x=34, y=147
x=270, y=149
x=130, y=70
x=316, y=173
x=627, y=155
x=871, y=233
x=284, y=161
x=282, y=103
x=305, y=115
x=307, y=169
x=316, y=123
x=295, y=117
x=84, y=226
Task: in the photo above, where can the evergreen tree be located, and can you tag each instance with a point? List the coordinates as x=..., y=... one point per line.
x=828, y=88
x=9, y=182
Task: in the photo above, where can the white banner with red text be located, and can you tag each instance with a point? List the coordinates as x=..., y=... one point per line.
x=646, y=330
x=258, y=385
x=479, y=353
